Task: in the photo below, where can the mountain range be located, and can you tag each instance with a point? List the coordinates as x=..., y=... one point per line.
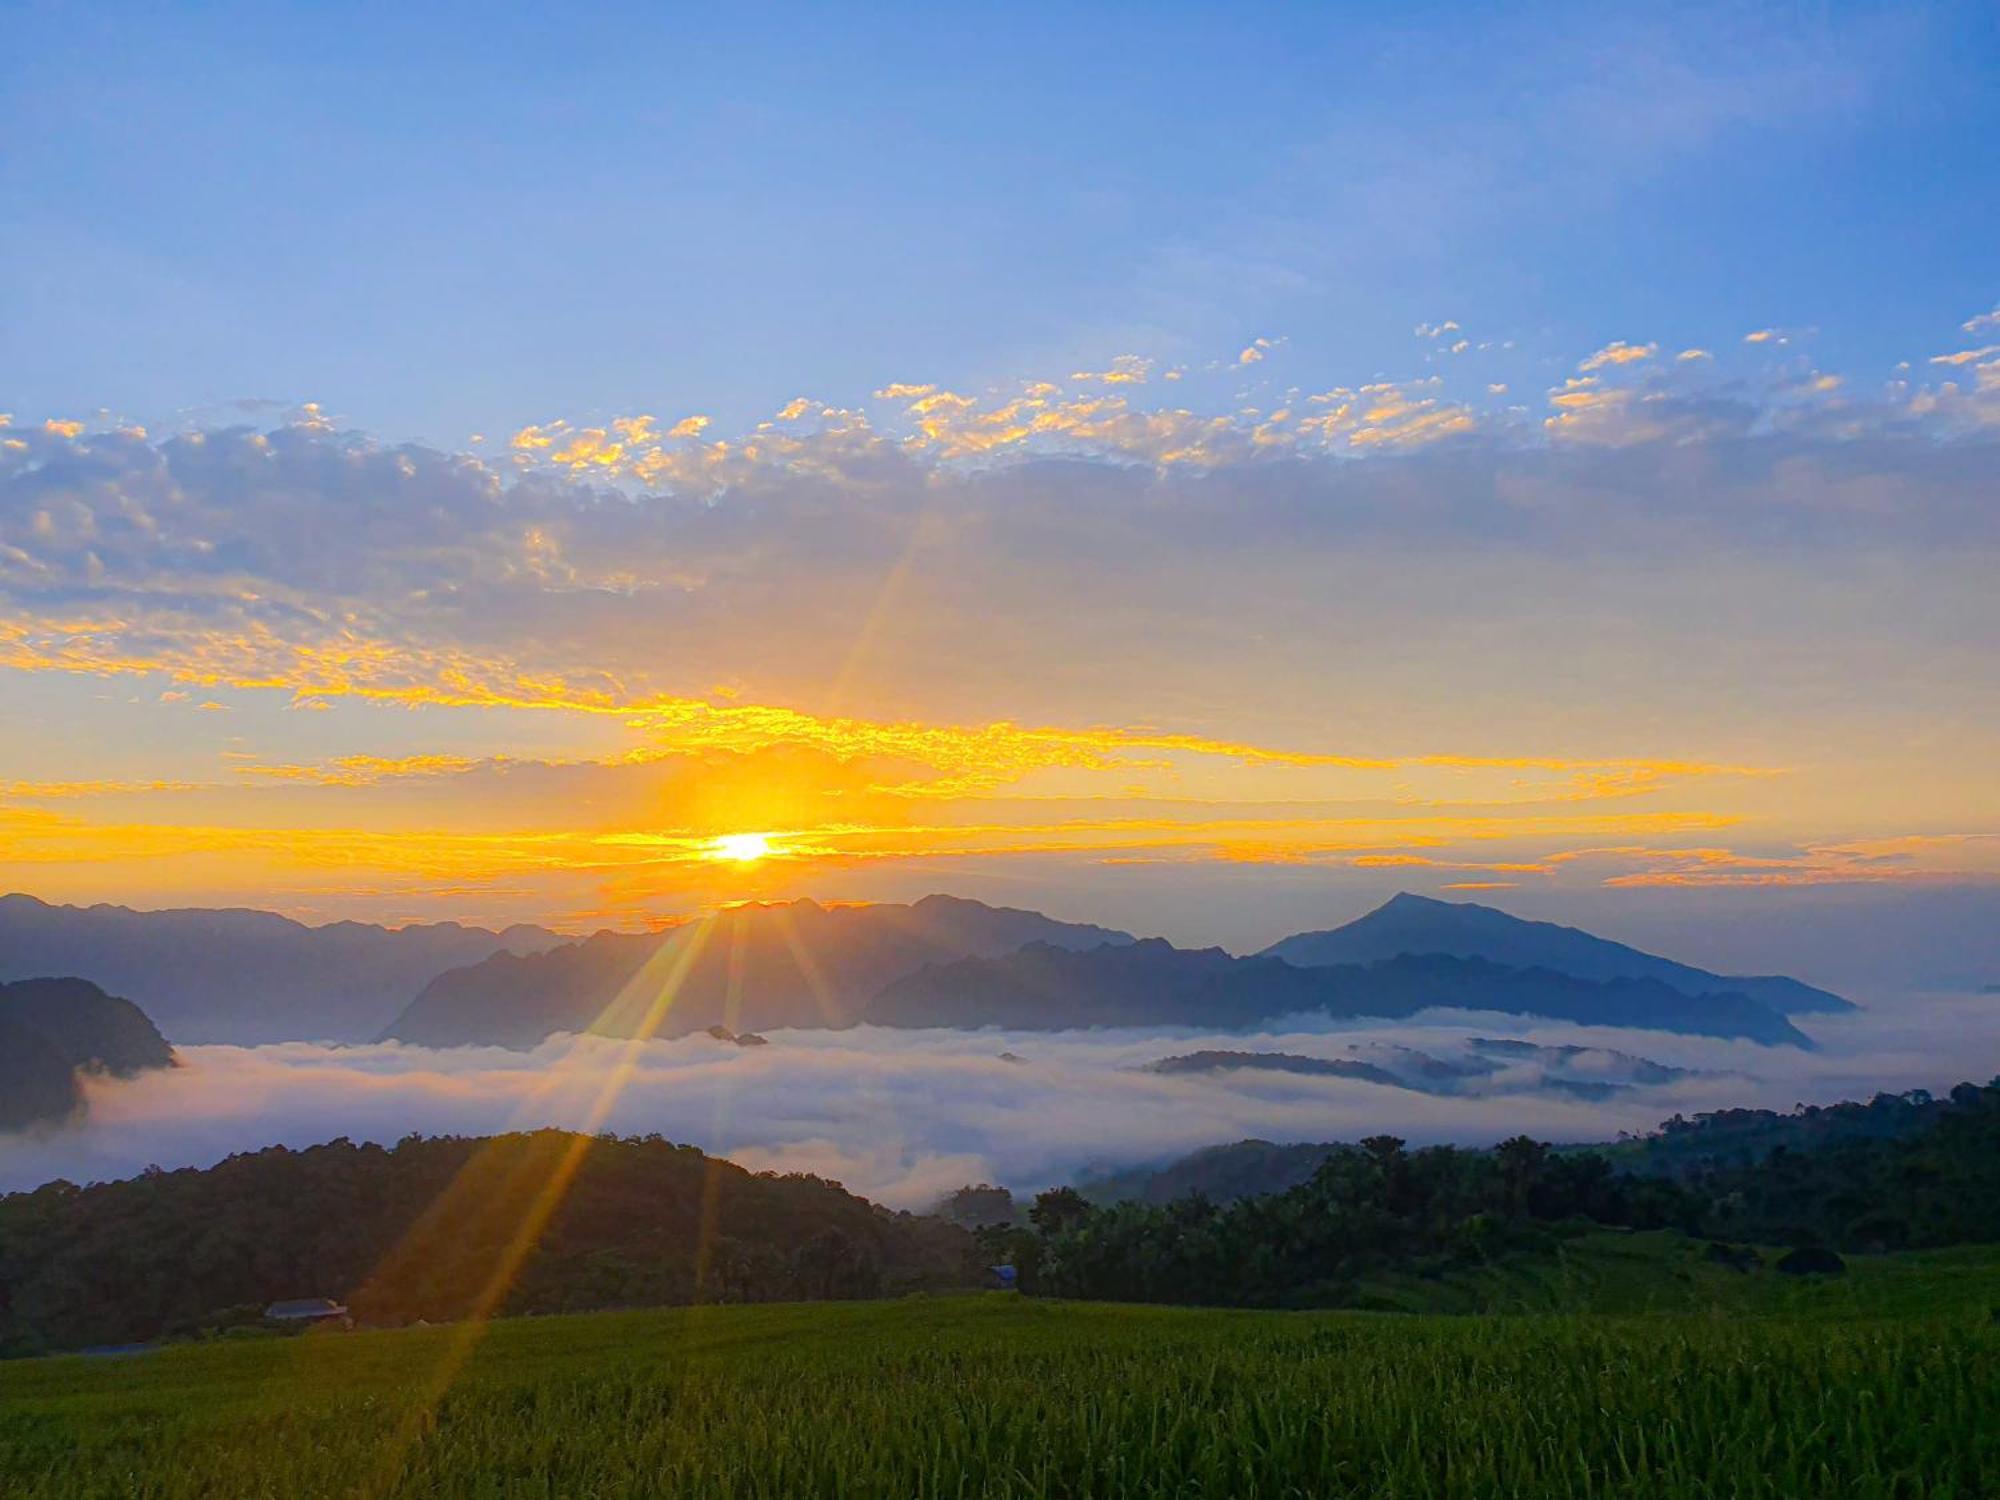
x=952, y=963
x=233, y=975
x=1151, y=983
x=1464, y=929
x=52, y=1031
x=250, y=977
x=755, y=967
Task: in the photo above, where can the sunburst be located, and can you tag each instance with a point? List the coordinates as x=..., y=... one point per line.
x=740, y=848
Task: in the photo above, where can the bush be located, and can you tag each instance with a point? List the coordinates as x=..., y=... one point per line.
x=1812, y=1261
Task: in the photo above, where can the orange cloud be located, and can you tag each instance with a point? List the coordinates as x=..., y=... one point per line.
x=1618, y=352
x=1125, y=369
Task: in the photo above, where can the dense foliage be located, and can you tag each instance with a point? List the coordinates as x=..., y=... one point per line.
x=1364, y=1208
x=975, y=1206
x=441, y=1229
x=1222, y=1174
x=448, y=1228
x=997, y=1396
x=1378, y=1205
x=1688, y=1145
x=1903, y=1171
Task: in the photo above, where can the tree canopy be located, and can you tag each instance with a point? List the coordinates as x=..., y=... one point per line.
x=445, y=1228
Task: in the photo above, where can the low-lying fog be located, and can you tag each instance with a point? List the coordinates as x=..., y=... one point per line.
x=903, y=1116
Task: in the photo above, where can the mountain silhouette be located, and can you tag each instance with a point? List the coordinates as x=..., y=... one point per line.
x=749, y=968
x=1152, y=983
x=1212, y=1061
x=1487, y=1066
x=52, y=1030
x=1463, y=929
x=231, y=975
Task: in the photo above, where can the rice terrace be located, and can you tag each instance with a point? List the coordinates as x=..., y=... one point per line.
x=1676, y=1383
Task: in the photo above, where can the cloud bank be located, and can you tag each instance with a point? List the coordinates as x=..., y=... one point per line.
x=904, y=1116
x=595, y=566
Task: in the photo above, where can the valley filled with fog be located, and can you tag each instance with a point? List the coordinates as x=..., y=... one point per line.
x=905, y=1115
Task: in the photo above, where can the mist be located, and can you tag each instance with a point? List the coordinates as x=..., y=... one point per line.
x=904, y=1116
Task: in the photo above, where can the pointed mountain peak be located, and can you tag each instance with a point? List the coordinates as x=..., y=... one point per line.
x=1413, y=925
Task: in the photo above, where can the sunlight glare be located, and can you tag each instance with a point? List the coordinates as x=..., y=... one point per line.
x=743, y=848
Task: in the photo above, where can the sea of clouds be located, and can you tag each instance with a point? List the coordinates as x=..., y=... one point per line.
x=903, y=1116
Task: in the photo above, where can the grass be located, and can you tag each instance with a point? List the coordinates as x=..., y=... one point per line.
x=1885, y=1383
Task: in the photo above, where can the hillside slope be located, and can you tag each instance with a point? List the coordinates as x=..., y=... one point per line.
x=432, y=1227
x=1408, y=924
x=38, y=1084
x=52, y=1031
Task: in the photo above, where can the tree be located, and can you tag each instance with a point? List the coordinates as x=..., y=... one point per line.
x=1521, y=1160
x=1059, y=1210
x=973, y=1207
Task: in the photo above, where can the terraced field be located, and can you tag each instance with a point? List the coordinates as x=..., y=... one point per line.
x=1882, y=1383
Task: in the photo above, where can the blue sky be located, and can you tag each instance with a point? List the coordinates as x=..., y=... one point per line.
x=1168, y=464
x=449, y=222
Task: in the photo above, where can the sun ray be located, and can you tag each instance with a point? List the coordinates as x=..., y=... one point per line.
x=467, y=1192
x=831, y=1010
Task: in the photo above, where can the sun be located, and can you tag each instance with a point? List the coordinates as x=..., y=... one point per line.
x=743, y=848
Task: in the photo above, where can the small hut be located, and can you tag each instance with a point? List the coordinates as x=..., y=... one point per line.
x=310, y=1312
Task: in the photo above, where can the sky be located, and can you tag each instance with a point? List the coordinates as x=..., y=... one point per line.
x=1196, y=469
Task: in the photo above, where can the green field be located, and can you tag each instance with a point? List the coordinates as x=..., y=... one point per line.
x=1884, y=1382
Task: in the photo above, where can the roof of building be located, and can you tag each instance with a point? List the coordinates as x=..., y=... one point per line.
x=306, y=1307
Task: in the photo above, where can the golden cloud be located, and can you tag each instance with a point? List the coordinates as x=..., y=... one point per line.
x=1618, y=352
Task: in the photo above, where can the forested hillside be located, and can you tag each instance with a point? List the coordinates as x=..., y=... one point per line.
x=443, y=1229
x=1378, y=1207
x=1692, y=1144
